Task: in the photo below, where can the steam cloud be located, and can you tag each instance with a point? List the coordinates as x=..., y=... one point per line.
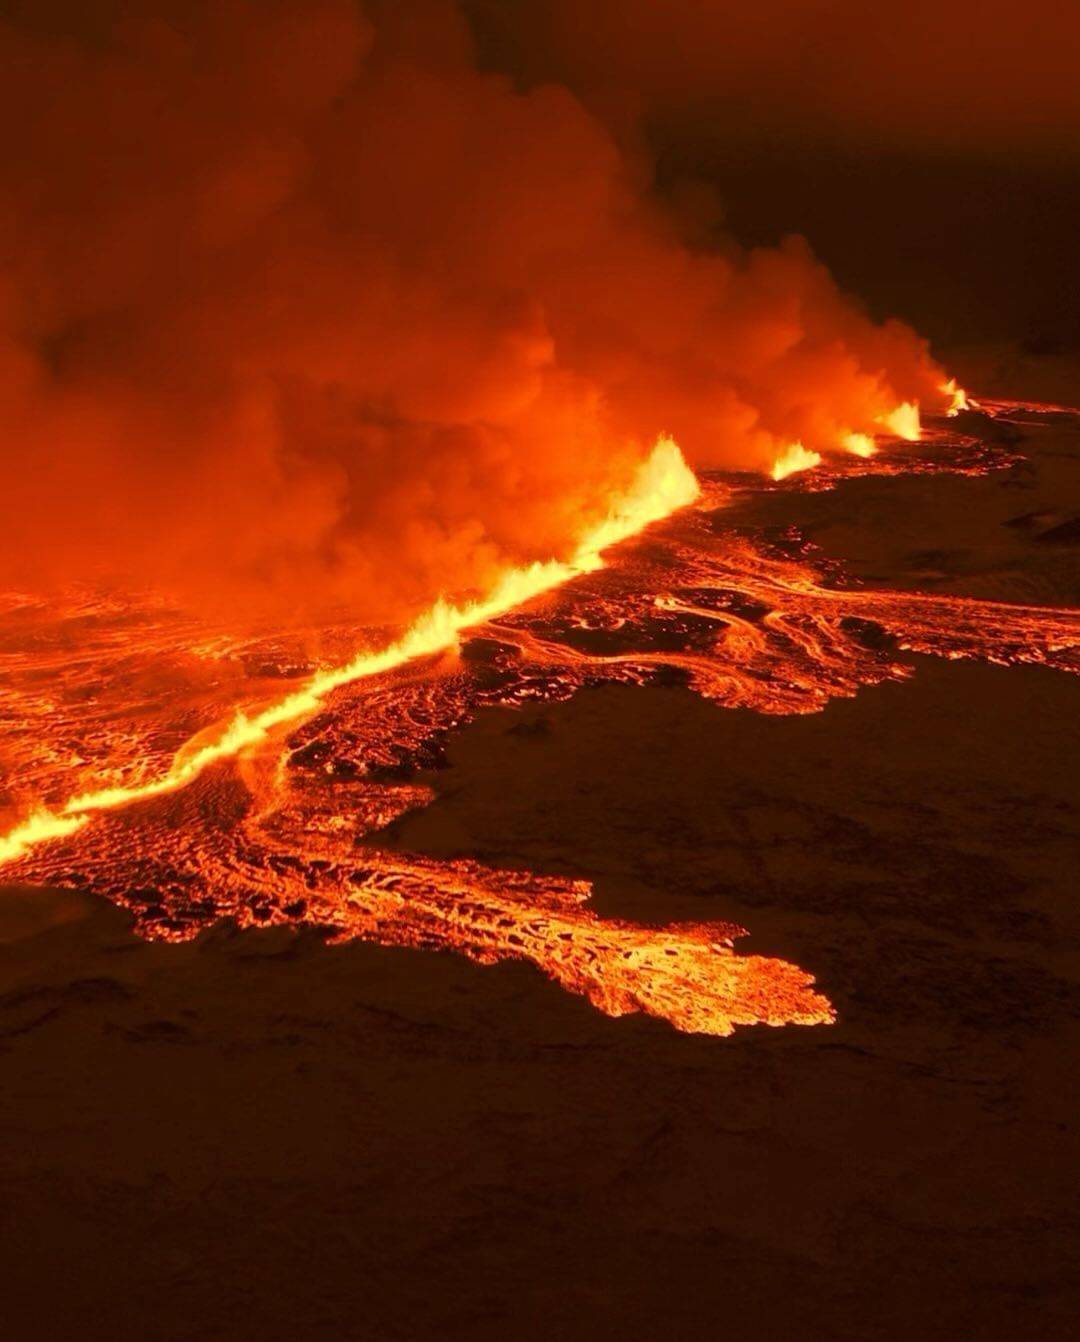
x=299, y=307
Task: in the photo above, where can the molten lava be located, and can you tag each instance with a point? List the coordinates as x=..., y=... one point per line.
x=131, y=773
x=794, y=459
x=958, y=398
x=858, y=444
x=905, y=421
x=663, y=484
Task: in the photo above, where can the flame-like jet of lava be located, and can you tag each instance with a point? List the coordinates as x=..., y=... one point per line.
x=905, y=422
x=793, y=459
x=287, y=830
x=663, y=484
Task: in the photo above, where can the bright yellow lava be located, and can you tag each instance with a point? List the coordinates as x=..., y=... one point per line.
x=794, y=458
x=663, y=484
x=958, y=397
x=860, y=444
x=904, y=421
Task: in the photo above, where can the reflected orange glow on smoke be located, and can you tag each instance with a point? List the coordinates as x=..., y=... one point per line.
x=315, y=313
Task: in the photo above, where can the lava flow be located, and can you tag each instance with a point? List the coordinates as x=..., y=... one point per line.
x=137, y=779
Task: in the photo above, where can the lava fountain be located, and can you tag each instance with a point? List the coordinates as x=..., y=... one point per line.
x=271, y=814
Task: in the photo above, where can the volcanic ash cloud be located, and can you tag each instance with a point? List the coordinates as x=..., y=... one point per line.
x=300, y=309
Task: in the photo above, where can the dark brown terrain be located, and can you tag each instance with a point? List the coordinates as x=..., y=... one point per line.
x=258, y=1136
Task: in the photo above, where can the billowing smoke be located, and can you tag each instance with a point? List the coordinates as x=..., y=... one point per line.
x=299, y=307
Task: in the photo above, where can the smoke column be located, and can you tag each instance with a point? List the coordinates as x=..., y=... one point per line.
x=300, y=309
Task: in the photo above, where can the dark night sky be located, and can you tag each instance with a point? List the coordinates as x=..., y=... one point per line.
x=966, y=249
x=928, y=151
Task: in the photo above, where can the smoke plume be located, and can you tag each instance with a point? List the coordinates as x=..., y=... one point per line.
x=300, y=308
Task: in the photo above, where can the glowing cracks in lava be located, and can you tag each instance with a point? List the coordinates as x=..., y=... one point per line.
x=663, y=484
x=794, y=458
x=903, y=422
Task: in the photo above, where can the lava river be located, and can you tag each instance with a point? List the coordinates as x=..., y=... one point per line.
x=105, y=691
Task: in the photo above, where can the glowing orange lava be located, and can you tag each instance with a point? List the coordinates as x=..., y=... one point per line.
x=858, y=444
x=133, y=776
x=663, y=484
x=905, y=422
x=958, y=398
x=793, y=459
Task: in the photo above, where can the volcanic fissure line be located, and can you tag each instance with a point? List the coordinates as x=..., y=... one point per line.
x=663, y=484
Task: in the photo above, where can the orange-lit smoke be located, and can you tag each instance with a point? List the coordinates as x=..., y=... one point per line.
x=662, y=484
x=298, y=307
